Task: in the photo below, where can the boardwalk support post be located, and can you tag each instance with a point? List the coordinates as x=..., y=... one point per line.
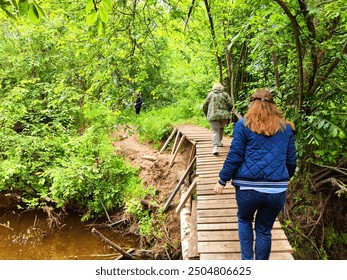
x=187, y=194
x=168, y=201
x=176, y=140
x=176, y=152
x=168, y=140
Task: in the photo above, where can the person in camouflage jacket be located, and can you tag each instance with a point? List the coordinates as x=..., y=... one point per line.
x=217, y=108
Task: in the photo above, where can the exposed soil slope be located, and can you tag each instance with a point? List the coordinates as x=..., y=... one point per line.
x=155, y=171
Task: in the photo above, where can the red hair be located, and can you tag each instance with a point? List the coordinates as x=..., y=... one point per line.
x=263, y=116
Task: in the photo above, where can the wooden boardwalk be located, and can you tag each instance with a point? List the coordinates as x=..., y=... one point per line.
x=214, y=217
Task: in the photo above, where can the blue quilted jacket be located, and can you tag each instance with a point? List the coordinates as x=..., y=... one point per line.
x=256, y=160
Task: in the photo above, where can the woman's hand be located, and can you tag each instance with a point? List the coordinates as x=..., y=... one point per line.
x=218, y=189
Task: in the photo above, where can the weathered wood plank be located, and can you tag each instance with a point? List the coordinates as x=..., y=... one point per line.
x=217, y=212
x=168, y=140
x=186, y=195
x=224, y=256
x=237, y=256
x=234, y=246
x=210, y=191
x=174, y=192
x=216, y=204
x=217, y=227
x=232, y=235
x=215, y=196
x=177, y=149
x=214, y=220
x=193, y=237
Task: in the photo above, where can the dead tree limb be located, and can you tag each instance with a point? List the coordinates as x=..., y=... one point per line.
x=5, y=226
x=117, y=223
x=112, y=244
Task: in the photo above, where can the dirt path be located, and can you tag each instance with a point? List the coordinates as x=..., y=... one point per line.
x=156, y=172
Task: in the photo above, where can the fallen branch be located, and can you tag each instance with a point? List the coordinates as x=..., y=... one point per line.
x=117, y=223
x=334, y=182
x=112, y=244
x=320, y=175
x=131, y=250
x=103, y=206
x=5, y=226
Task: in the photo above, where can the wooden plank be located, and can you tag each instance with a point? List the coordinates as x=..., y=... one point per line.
x=219, y=247
x=168, y=140
x=168, y=201
x=237, y=256
x=228, y=235
x=214, y=172
x=211, y=192
x=214, y=220
x=192, y=153
x=213, y=196
x=202, y=161
x=217, y=227
x=207, y=149
x=186, y=195
x=203, y=176
x=176, y=152
x=220, y=236
x=176, y=141
x=209, y=166
x=223, y=204
x=217, y=212
x=234, y=246
x=281, y=256
x=224, y=256
x=193, y=237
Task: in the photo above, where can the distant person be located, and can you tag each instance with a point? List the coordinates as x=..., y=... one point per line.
x=260, y=162
x=217, y=108
x=138, y=103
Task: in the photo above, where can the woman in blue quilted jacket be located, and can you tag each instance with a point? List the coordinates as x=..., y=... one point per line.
x=260, y=163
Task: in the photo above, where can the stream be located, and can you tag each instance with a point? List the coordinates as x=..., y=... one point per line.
x=26, y=235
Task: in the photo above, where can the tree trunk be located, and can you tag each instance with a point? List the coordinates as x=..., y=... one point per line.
x=214, y=38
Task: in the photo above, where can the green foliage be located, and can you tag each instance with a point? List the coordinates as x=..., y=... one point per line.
x=14, y=8
x=150, y=225
x=331, y=237
x=156, y=125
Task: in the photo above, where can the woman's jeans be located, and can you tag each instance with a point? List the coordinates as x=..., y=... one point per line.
x=266, y=208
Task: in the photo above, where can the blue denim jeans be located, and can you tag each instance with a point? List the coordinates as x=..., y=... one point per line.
x=266, y=208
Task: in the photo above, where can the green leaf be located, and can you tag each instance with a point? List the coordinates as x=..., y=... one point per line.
x=89, y=6
x=15, y=4
x=33, y=14
x=321, y=123
x=342, y=135
x=91, y=18
x=107, y=4
x=23, y=7
x=100, y=27
x=40, y=11
x=334, y=131
x=10, y=15
x=103, y=14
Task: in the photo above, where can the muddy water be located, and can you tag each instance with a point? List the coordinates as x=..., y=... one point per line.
x=27, y=236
